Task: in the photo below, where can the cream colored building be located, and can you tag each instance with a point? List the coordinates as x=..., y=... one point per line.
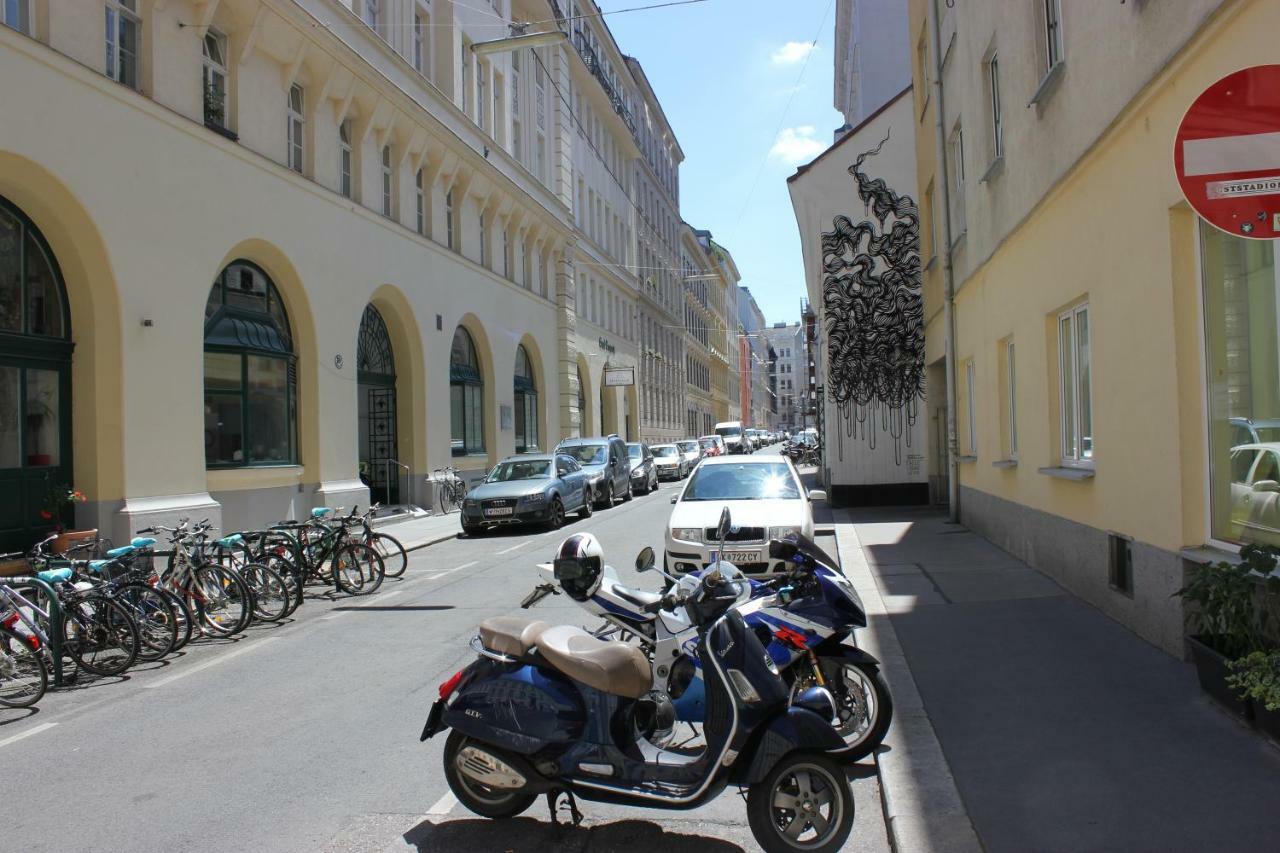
x=389, y=222
x=699, y=276
x=1111, y=349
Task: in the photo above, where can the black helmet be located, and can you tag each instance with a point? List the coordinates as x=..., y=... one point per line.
x=578, y=564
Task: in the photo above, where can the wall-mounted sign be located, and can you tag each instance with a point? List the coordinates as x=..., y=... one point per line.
x=606, y=346
x=506, y=415
x=1227, y=153
x=616, y=376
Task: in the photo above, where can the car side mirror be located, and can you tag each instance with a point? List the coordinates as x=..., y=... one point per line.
x=1266, y=486
x=645, y=560
x=817, y=495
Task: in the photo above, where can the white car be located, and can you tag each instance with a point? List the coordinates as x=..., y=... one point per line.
x=1255, y=491
x=766, y=498
x=692, y=451
x=669, y=462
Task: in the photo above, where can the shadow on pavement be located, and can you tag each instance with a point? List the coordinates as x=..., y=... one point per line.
x=526, y=834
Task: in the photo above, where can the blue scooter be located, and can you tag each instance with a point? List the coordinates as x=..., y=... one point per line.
x=556, y=711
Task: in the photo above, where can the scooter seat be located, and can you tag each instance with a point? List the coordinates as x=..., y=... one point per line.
x=511, y=635
x=611, y=667
x=638, y=597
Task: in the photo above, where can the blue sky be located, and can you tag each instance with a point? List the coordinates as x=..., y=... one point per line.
x=724, y=71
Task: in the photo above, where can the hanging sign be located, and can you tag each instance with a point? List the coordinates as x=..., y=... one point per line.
x=1227, y=153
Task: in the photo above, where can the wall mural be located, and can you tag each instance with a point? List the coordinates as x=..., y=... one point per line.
x=874, y=316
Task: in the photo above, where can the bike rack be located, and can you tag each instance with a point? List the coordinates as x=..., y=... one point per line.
x=55, y=620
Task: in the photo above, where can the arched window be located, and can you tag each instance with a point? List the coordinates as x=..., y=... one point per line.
x=526, y=404
x=250, y=373
x=466, y=396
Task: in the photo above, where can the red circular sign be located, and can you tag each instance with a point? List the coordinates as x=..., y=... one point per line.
x=1227, y=153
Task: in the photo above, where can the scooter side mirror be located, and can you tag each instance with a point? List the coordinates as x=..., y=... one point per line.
x=645, y=560
x=725, y=525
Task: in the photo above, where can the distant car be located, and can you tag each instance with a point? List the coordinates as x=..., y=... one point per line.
x=1255, y=491
x=669, y=462
x=692, y=452
x=644, y=476
x=735, y=441
x=1251, y=431
x=608, y=468
x=528, y=489
x=712, y=445
x=766, y=499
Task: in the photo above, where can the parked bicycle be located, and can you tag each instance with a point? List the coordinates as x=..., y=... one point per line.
x=450, y=487
x=322, y=549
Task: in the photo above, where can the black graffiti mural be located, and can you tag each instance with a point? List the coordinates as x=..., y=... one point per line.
x=874, y=316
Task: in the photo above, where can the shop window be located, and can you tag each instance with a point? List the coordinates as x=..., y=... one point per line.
x=250, y=373
x=1241, y=291
x=466, y=396
x=526, y=404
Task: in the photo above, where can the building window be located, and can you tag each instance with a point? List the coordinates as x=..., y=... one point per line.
x=295, y=128
x=16, y=14
x=971, y=402
x=540, y=158
x=466, y=396
x=482, y=99
x=957, y=158
x=517, y=140
x=214, y=79
x=421, y=31
x=1074, y=387
x=540, y=94
x=1011, y=372
x=123, y=38
x=1241, y=287
x=250, y=372
x=420, y=203
x=1052, y=32
x=387, y=182
x=448, y=220
x=526, y=404
x=997, y=125
x=506, y=254
x=468, y=96
x=484, y=244
x=373, y=14
x=344, y=158
x=933, y=222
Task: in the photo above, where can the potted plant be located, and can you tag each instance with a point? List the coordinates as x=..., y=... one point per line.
x=1229, y=624
x=58, y=501
x=1256, y=677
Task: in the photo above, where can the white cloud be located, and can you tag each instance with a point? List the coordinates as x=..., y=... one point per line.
x=792, y=52
x=796, y=145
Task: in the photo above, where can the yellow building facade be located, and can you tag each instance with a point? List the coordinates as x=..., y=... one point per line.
x=1112, y=353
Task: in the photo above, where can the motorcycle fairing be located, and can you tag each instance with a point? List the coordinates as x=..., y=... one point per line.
x=796, y=728
x=521, y=708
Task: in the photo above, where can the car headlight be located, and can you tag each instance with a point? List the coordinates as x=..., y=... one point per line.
x=687, y=534
x=784, y=531
x=470, y=504
x=539, y=498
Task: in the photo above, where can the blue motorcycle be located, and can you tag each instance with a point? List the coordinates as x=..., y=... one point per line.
x=556, y=711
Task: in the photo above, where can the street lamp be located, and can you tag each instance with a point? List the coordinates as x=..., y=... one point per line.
x=549, y=38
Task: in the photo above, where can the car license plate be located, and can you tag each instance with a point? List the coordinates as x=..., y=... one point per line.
x=499, y=510
x=737, y=556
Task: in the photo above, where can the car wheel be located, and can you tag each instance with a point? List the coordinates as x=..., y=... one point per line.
x=629, y=493
x=587, y=501
x=653, y=484
x=606, y=499
x=555, y=520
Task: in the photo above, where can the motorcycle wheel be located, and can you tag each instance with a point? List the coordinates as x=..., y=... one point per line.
x=804, y=803
x=486, y=802
x=864, y=704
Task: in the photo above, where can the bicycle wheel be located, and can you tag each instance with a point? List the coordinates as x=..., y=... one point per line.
x=100, y=635
x=447, y=503
x=186, y=619
x=221, y=600
x=357, y=569
x=284, y=566
x=270, y=592
x=394, y=558
x=23, y=675
x=155, y=616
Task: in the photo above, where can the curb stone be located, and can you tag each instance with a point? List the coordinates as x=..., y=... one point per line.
x=922, y=806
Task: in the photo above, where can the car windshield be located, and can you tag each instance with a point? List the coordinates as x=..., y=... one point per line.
x=743, y=481
x=662, y=451
x=633, y=450
x=688, y=446
x=525, y=469
x=586, y=454
x=728, y=430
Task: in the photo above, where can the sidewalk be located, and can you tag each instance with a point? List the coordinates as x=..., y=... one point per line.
x=1027, y=720
x=421, y=532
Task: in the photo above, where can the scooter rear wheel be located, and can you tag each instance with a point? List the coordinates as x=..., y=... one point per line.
x=804, y=803
x=484, y=801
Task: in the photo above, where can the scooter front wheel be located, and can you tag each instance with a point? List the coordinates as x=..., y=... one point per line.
x=485, y=801
x=804, y=803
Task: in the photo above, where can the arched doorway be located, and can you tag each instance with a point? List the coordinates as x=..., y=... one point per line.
x=526, y=403
x=35, y=385
x=380, y=466
x=466, y=396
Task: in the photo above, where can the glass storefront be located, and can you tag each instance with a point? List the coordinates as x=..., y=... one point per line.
x=1242, y=336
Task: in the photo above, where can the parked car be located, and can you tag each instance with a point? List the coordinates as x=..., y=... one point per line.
x=528, y=489
x=669, y=462
x=1255, y=491
x=712, y=445
x=1251, y=431
x=604, y=458
x=766, y=499
x=734, y=439
x=644, y=476
x=692, y=452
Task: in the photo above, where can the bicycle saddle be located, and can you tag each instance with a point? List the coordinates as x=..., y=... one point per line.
x=54, y=575
x=321, y=511
x=96, y=566
x=117, y=553
x=142, y=541
x=231, y=541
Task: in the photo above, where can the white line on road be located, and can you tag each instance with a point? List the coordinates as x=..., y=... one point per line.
x=35, y=730
x=444, y=805
x=514, y=547
x=257, y=644
x=347, y=611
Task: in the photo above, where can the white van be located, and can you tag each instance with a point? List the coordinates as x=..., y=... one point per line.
x=734, y=440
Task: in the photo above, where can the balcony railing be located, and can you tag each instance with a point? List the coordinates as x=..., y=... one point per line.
x=592, y=62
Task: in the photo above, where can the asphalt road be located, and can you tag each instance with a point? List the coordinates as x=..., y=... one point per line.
x=304, y=736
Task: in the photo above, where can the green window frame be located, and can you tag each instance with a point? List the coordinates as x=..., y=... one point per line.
x=466, y=396
x=250, y=373
x=526, y=403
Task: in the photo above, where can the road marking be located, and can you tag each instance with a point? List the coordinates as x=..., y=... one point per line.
x=337, y=614
x=35, y=730
x=443, y=806
x=456, y=569
x=219, y=659
x=514, y=547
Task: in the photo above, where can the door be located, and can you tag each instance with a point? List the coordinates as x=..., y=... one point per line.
x=380, y=467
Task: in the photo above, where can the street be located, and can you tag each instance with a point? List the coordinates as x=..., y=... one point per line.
x=304, y=736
